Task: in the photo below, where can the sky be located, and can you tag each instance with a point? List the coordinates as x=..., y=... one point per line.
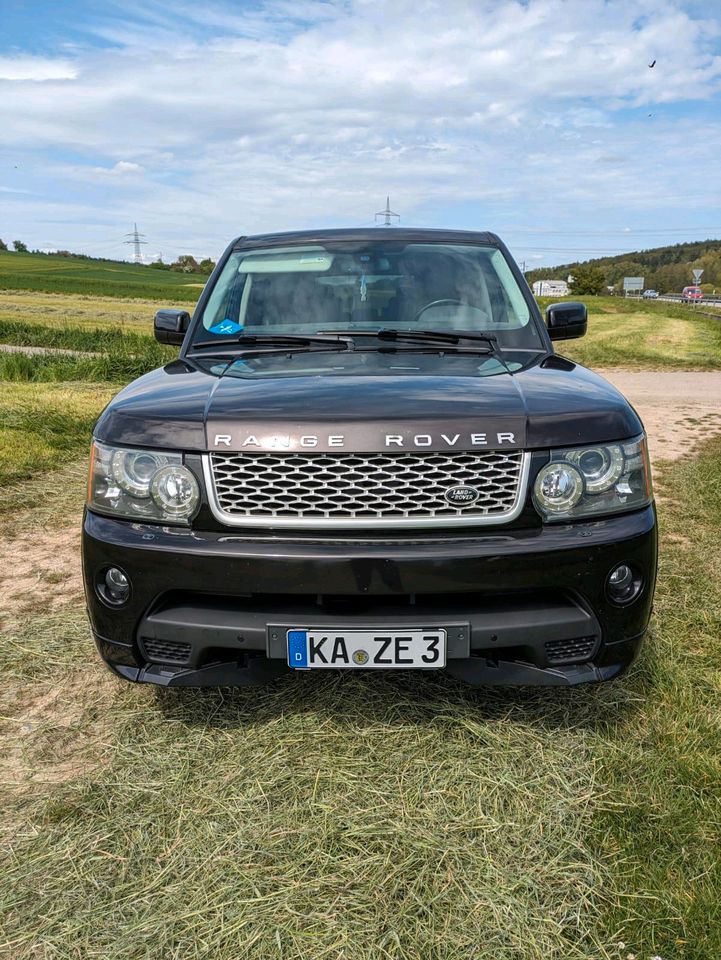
x=540, y=120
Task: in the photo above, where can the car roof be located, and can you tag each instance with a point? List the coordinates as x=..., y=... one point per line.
x=364, y=234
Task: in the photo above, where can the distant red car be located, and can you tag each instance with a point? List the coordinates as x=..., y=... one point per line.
x=692, y=293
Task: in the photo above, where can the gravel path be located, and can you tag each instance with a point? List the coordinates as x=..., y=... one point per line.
x=42, y=351
x=679, y=408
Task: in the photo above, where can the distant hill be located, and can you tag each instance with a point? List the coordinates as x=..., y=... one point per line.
x=666, y=269
x=109, y=278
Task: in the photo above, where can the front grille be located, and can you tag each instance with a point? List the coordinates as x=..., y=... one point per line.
x=570, y=651
x=364, y=489
x=167, y=651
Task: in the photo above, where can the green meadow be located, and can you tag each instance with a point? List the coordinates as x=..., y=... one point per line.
x=74, y=275
x=337, y=818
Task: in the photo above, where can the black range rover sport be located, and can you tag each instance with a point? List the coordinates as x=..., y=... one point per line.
x=369, y=456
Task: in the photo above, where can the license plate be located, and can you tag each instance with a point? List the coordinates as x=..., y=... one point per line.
x=366, y=649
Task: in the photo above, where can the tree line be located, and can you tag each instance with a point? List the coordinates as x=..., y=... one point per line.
x=666, y=269
x=18, y=246
x=186, y=264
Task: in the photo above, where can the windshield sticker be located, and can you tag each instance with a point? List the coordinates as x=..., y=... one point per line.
x=226, y=327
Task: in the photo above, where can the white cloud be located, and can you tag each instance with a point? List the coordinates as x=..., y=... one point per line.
x=312, y=112
x=123, y=168
x=36, y=69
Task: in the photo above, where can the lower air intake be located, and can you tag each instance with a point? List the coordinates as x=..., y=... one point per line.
x=570, y=651
x=167, y=651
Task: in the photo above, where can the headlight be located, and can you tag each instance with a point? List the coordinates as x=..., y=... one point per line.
x=141, y=484
x=559, y=487
x=590, y=481
x=601, y=466
x=133, y=470
x=175, y=490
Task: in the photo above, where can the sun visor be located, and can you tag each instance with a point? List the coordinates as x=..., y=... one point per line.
x=295, y=261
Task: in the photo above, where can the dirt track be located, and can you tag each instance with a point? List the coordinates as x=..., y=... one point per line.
x=679, y=409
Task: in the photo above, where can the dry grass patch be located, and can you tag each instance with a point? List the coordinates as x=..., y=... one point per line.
x=53, y=731
x=43, y=425
x=48, y=501
x=393, y=816
x=351, y=817
x=40, y=569
x=646, y=337
x=83, y=312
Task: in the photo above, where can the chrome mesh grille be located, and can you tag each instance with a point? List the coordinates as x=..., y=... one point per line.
x=371, y=489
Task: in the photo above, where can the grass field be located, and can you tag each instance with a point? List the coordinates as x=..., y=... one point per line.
x=365, y=817
x=48, y=403
x=342, y=818
x=23, y=313
x=31, y=271
x=645, y=335
x=41, y=427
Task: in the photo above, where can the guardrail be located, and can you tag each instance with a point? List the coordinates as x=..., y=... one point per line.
x=679, y=298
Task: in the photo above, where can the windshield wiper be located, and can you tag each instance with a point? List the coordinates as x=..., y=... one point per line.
x=278, y=341
x=440, y=337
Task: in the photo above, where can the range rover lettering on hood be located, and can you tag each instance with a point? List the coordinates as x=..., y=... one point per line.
x=364, y=438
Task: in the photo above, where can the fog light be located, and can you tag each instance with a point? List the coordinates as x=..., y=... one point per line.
x=623, y=585
x=117, y=585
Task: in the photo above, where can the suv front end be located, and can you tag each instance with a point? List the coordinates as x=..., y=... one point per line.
x=481, y=505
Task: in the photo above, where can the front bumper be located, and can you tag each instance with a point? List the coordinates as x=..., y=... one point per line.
x=520, y=606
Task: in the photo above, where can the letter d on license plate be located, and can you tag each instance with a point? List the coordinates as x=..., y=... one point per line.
x=315, y=649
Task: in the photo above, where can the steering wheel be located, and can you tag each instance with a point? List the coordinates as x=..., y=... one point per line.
x=437, y=303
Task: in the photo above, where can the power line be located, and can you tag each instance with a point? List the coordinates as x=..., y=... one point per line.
x=609, y=252
x=627, y=234
x=135, y=239
x=387, y=214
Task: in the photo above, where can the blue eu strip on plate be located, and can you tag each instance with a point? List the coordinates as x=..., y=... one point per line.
x=298, y=648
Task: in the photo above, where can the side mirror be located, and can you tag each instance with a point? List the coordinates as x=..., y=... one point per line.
x=170, y=326
x=567, y=320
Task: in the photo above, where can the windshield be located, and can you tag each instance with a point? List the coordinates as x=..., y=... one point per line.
x=370, y=286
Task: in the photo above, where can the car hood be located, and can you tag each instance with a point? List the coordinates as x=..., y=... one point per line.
x=551, y=403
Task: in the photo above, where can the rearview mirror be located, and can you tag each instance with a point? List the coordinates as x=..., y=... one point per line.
x=566, y=320
x=170, y=326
